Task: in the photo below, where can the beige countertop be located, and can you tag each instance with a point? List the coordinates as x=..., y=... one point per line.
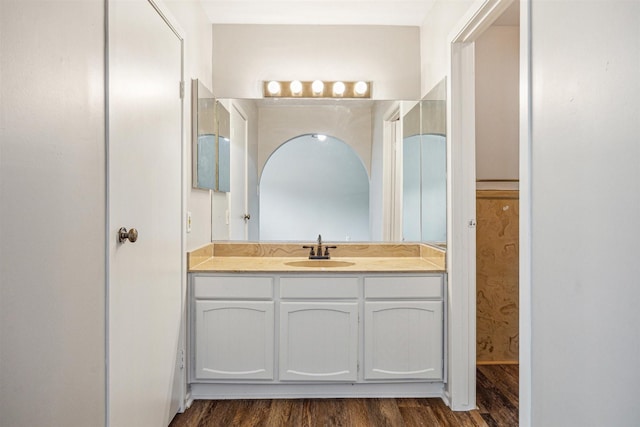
x=245, y=257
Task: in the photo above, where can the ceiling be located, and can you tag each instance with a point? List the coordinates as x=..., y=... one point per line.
x=318, y=12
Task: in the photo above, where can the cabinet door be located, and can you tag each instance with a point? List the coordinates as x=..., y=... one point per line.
x=234, y=339
x=319, y=341
x=403, y=340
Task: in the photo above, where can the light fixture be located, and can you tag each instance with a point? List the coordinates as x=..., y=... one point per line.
x=316, y=89
x=273, y=87
x=360, y=88
x=296, y=87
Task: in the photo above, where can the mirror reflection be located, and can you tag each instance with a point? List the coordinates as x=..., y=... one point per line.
x=424, y=154
x=211, y=135
x=224, y=149
x=204, y=136
x=311, y=183
x=384, y=162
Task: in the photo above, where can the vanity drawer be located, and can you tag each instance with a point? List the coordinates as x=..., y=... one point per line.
x=232, y=287
x=403, y=287
x=319, y=287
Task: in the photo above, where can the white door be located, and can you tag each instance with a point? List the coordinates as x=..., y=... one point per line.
x=319, y=341
x=238, y=223
x=144, y=192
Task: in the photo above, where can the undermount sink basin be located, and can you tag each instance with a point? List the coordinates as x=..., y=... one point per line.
x=319, y=263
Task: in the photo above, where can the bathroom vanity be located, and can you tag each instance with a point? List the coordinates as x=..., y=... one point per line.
x=264, y=322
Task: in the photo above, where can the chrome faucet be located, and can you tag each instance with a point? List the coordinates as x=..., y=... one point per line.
x=317, y=253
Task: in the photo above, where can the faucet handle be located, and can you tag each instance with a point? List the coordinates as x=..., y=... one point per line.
x=326, y=249
x=312, y=252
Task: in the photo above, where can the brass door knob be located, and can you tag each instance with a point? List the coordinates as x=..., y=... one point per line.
x=124, y=235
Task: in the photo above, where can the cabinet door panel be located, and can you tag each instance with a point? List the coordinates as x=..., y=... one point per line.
x=403, y=340
x=318, y=341
x=234, y=339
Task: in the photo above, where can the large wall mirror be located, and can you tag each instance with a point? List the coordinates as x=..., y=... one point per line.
x=211, y=140
x=286, y=131
x=424, y=160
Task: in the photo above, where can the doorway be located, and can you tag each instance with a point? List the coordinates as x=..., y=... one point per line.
x=497, y=193
x=496, y=65
x=463, y=187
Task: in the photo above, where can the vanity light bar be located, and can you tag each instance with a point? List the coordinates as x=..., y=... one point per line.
x=316, y=89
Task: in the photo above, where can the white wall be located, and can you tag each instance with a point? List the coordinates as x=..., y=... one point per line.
x=350, y=124
x=497, y=56
x=246, y=55
x=198, y=65
x=52, y=213
x=586, y=203
x=434, y=41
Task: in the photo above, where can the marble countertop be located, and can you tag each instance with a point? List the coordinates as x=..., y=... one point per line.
x=283, y=257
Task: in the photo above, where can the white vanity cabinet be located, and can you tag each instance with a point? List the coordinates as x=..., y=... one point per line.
x=316, y=334
x=233, y=336
x=318, y=329
x=403, y=329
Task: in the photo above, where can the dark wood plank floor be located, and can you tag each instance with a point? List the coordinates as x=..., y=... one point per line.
x=497, y=401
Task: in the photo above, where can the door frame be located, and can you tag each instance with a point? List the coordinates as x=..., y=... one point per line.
x=245, y=165
x=524, y=326
x=460, y=392
x=391, y=186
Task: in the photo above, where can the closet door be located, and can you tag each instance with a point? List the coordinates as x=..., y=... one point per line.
x=144, y=192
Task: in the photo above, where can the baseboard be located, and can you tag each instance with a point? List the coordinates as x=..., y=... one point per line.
x=318, y=391
x=188, y=401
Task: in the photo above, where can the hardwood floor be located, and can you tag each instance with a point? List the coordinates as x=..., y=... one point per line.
x=497, y=399
x=497, y=394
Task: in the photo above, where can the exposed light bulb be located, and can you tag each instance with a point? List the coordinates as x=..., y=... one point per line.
x=317, y=87
x=360, y=88
x=273, y=87
x=296, y=87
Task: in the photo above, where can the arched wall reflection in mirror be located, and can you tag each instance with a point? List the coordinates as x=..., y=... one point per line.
x=314, y=184
x=424, y=185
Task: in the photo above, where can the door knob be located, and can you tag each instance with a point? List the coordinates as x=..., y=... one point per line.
x=124, y=235
x=247, y=217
